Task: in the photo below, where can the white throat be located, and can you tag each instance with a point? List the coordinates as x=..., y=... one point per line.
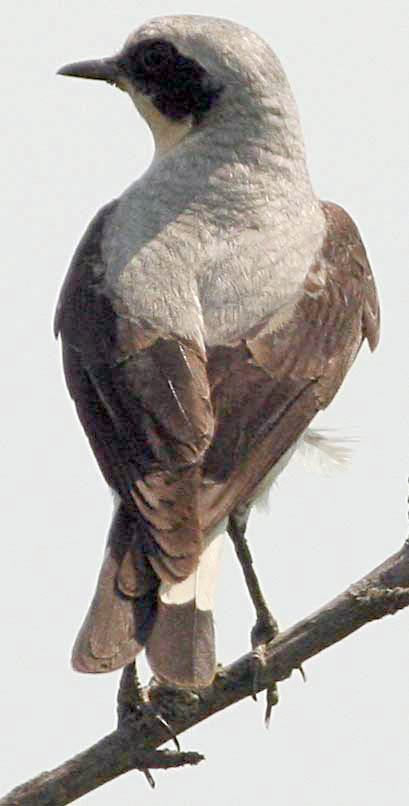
x=166, y=133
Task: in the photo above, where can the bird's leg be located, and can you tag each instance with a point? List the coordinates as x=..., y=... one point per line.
x=133, y=703
x=266, y=627
x=130, y=695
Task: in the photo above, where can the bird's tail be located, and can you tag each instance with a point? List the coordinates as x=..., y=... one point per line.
x=181, y=645
x=131, y=609
x=123, y=608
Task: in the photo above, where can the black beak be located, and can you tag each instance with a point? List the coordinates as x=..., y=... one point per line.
x=99, y=69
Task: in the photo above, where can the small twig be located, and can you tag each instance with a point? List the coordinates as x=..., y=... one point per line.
x=164, y=759
x=114, y=755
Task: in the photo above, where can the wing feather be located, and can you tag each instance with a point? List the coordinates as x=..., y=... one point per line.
x=143, y=399
x=267, y=389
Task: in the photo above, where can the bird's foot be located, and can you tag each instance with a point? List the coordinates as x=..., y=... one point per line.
x=264, y=630
x=175, y=704
x=139, y=707
x=134, y=703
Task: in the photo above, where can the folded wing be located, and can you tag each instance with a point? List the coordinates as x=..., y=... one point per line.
x=143, y=399
x=267, y=389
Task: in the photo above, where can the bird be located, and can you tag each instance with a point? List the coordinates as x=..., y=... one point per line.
x=208, y=314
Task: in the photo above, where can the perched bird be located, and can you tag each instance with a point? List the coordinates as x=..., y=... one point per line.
x=209, y=313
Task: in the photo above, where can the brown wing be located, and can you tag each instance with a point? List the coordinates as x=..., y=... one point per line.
x=267, y=389
x=143, y=399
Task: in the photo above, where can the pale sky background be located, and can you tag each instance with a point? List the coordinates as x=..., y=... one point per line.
x=68, y=147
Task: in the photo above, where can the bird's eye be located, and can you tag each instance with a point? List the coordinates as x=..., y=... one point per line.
x=157, y=55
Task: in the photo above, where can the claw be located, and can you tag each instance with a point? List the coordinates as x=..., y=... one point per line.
x=302, y=673
x=133, y=703
x=172, y=735
x=271, y=701
x=149, y=713
x=264, y=630
x=271, y=691
x=150, y=779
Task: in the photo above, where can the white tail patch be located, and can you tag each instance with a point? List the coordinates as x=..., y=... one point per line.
x=181, y=646
x=200, y=586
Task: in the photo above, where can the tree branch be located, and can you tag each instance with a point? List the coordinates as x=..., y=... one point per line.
x=383, y=591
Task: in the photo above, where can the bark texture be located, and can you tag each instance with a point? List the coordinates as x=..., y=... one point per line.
x=383, y=591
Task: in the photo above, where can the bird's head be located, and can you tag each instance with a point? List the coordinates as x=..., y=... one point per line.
x=182, y=72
